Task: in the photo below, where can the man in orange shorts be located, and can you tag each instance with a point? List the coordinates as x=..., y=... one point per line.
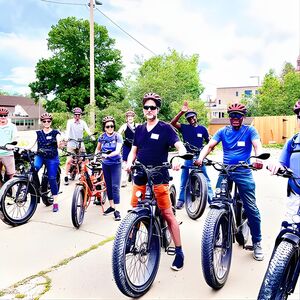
x=151, y=144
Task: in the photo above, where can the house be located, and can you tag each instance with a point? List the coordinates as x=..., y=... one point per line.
x=23, y=111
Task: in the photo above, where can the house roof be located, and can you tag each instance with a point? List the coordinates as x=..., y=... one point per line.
x=225, y=121
x=27, y=104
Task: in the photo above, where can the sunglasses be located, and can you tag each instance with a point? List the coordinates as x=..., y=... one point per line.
x=235, y=116
x=77, y=115
x=3, y=116
x=110, y=126
x=152, y=107
x=47, y=121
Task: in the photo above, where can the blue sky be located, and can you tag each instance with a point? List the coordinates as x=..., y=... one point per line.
x=235, y=39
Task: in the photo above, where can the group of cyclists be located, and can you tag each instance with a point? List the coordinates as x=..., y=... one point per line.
x=149, y=143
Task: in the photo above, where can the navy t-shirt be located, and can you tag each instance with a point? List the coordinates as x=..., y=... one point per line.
x=194, y=135
x=153, y=146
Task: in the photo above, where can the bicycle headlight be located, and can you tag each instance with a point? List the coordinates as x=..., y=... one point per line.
x=138, y=194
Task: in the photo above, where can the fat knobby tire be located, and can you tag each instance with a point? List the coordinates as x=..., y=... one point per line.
x=78, y=209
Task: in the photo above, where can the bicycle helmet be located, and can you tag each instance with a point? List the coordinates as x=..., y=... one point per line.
x=190, y=114
x=77, y=110
x=152, y=96
x=297, y=107
x=4, y=111
x=237, y=107
x=130, y=113
x=46, y=116
x=108, y=119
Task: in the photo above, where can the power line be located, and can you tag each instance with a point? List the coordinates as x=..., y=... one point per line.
x=58, y=2
x=125, y=32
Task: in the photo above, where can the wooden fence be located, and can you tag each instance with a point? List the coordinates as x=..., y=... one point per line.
x=272, y=129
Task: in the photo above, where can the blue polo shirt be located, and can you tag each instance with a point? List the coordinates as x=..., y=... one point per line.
x=237, y=144
x=153, y=145
x=195, y=135
x=290, y=158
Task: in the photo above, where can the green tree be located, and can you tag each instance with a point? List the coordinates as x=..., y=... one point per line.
x=66, y=74
x=173, y=76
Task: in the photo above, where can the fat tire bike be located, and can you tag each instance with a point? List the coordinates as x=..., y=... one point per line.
x=226, y=222
x=139, y=238
x=196, y=191
x=284, y=266
x=20, y=195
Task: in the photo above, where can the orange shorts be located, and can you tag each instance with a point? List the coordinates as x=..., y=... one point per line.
x=161, y=192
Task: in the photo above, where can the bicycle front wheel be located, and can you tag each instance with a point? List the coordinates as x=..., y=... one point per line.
x=136, y=255
x=277, y=280
x=78, y=208
x=18, y=203
x=196, y=194
x=216, y=250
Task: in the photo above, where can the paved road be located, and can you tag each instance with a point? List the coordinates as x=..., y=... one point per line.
x=72, y=269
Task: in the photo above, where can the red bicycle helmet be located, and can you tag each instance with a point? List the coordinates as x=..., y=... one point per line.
x=77, y=110
x=46, y=116
x=237, y=107
x=130, y=113
x=297, y=107
x=152, y=96
x=3, y=111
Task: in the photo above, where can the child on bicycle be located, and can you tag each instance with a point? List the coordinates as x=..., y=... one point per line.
x=290, y=158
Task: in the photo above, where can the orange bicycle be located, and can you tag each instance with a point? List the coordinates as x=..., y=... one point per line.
x=91, y=185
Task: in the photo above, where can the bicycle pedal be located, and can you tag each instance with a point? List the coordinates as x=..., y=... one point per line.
x=180, y=223
x=248, y=247
x=170, y=250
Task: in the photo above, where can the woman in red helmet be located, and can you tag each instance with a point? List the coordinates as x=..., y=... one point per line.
x=47, y=141
x=290, y=158
x=8, y=134
x=237, y=141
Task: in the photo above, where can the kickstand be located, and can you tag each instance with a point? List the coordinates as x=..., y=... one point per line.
x=170, y=250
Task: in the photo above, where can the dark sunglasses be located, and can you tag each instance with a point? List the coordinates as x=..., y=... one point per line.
x=76, y=115
x=152, y=107
x=235, y=116
x=3, y=116
x=46, y=121
x=110, y=126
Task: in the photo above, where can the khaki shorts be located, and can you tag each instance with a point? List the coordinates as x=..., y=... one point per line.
x=9, y=163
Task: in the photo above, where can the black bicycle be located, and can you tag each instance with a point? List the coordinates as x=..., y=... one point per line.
x=225, y=223
x=20, y=195
x=196, y=191
x=139, y=238
x=284, y=266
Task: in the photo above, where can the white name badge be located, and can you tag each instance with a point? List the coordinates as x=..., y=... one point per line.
x=199, y=135
x=241, y=143
x=48, y=137
x=154, y=136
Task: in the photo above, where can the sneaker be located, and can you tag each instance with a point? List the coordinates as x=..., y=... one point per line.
x=117, y=215
x=66, y=180
x=109, y=211
x=55, y=207
x=258, y=253
x=177, y=264
x=179, y=204
x=97, y=202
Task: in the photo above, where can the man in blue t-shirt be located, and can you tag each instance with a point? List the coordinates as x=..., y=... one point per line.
x=290, y=158
x=151, y=144
x=238, y=141
x=194, y=134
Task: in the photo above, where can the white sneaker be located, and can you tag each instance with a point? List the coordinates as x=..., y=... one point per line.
x=258, y=253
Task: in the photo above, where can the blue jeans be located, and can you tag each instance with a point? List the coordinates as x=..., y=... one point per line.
x=52, y=165
x=184, y=178
x=246, y=188
x=112, y=177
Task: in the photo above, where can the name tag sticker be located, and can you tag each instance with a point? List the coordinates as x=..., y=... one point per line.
x=241, y=143
x=199, y=135
x=48, y=137
x=154, y=136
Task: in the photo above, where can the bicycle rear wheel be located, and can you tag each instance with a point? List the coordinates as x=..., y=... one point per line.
x=18, y=203
x=216, y=248
x=277, y=280
x=135, y=263
x=78, y=209
x=196, y=195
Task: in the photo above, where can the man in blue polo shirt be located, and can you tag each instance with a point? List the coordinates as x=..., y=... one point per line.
x=194, y=134
x=237, y=141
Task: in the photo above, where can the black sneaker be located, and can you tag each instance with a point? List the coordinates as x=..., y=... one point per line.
x=109, y=211
x=66, y=180
x=179, y=204
x=117, y=215
x=177, y=264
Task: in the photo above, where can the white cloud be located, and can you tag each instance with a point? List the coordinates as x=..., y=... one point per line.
x=21, y=75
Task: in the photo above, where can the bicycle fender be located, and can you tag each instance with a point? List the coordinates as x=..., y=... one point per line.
x=289, y=237
x=140, y=211
x=218, y=205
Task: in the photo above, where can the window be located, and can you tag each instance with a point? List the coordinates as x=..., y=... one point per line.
x=248, y=93
x=236, y=93
x=29, y=122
